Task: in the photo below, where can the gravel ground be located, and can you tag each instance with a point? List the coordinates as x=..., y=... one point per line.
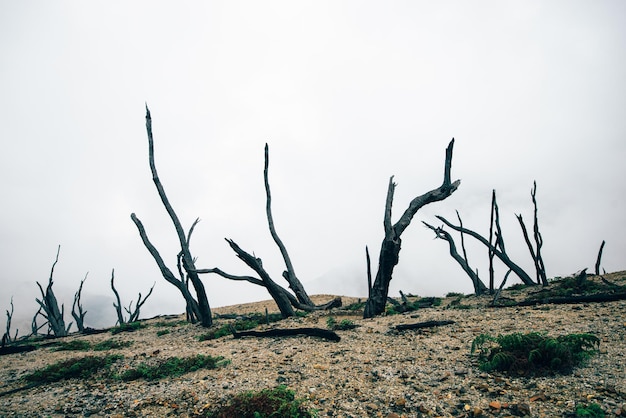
x=373, y=371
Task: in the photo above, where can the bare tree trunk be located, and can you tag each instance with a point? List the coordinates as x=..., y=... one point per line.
x=497, y=295
x=34, y=328
x=118, y=305
x=479, y=286
x=599, y=258
x=275, y=290
x=134, y=314
x=390, y=247
x=285, y=300
x=202, y=310
x=6, y=338
x=490, y=251
x=501, y=254
x=369, y=271
x=50, y=306
x=535, y=254
x=541, y=268
x=289, y=274
x=79, y=316
x=192, y=304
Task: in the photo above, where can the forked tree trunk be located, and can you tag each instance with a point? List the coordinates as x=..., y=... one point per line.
x=390, y=247
x=199, y=307
x=285, y=301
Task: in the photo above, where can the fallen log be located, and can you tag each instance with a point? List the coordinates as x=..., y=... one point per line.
x=420, y=325
x=289, y=332
x=13, y=349
x=560, y=300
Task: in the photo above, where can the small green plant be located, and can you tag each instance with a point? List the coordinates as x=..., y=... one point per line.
x=111, y=344
x=83, y=367
x=518, y=286
x=454, y=295
x=172, y=367
x=74, y=345
x=356, y=306
x=162, y=332
x=170, y=324
x=278, y=402
x=456, y=303
x=420, y=303
x=590, y=410
x=344, y=325
x=225, y=329
x=535, y=352
x=127, y=327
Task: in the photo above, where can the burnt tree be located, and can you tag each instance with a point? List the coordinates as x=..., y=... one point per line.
x=490, y=252
x=599, y=258
x=285, y=300
x=79, y=316
x=479, y=286
x=50, y=306
x=134, y=314
x=197, y=310
x=535, y=253
x=498, y=249
x=6, y=338
x=390, y=247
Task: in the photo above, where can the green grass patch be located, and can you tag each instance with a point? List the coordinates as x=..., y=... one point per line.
x=590, y=410
x=454, y=295
x=170, y=324
x=426, y=302
x=343, y=325
x=84, y=367
x=533, y=352
x=111, y=344
x=356, y=306
x=162, y=332
x=518, y=286
x=128, y=327
x=571, y=286
x=172, y=367
x=277, y=402
x=225, y=329
x=74, y=345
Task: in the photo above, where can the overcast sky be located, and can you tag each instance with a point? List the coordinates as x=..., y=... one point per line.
x=346, y=94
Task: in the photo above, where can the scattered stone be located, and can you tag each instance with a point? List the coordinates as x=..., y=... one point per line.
x=495, y=405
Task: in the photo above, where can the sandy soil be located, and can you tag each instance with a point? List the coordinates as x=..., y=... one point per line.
x=373, y=371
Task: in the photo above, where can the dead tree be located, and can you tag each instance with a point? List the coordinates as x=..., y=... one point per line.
x=134, y=314
x=6, y=338
x=369, y=270
x=390, y=247
x=285, y=300
x=599, y=258
x=197, y=309
x=479, y=286
x=34, y=327
x=50, y=306
x=79, y=316
x=289, y=274
x=536, y=252
x=490, y=251
x=498, y=249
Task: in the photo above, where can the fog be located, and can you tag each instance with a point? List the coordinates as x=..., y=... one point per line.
x=346, y=94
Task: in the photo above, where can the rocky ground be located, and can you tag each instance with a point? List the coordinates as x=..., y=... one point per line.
x=374, y=371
